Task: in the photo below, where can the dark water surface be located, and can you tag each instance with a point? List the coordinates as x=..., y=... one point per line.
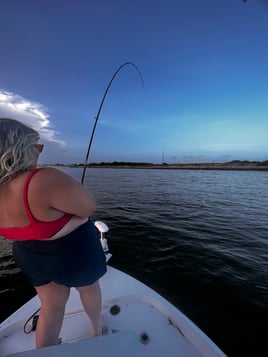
x=200, y=238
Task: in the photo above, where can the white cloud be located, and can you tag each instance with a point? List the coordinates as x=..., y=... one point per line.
x=30, y=113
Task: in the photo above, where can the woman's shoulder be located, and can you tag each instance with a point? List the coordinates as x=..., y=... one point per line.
x=50, y=176
x=51, y=172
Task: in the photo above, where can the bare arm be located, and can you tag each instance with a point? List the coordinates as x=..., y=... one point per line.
x=61, y=192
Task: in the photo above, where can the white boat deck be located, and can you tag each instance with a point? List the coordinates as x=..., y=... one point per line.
x=112, y=345
x=139, y=323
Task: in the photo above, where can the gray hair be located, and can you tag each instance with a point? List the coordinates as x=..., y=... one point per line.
x=17, y=151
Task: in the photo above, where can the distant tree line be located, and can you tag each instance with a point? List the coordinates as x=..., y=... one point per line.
x=149, y=164
x=246, y=162
x=121, y=163
x=129, y=163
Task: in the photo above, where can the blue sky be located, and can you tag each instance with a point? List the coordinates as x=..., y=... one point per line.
x=204, y=65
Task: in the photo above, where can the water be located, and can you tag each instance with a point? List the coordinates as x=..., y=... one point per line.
x=197, y=237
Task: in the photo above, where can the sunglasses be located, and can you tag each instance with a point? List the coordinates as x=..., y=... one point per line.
x=39, y=147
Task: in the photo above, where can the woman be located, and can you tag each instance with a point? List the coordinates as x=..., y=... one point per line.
x=45, y=212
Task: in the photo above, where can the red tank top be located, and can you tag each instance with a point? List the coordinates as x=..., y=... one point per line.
x=36, y=230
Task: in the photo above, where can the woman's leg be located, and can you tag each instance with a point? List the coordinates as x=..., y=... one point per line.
x=91, y=299
x=53, y=298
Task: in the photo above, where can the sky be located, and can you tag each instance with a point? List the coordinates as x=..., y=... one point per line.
x=196, y=88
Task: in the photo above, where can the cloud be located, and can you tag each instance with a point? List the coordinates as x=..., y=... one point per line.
x=30, y=113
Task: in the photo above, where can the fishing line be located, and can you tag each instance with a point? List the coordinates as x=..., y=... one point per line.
x=99, y=110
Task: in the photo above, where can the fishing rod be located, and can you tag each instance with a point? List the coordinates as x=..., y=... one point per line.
x=99, y=110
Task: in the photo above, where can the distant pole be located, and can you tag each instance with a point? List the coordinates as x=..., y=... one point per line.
x=100, y=107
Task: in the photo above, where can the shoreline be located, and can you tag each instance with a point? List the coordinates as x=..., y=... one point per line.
x=187, y=166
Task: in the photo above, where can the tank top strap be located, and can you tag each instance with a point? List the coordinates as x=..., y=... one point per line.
x=25, y=194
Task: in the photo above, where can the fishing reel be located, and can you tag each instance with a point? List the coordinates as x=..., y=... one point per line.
x=103, y=228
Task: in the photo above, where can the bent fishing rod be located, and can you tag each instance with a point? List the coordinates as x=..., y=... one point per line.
x=100, y=107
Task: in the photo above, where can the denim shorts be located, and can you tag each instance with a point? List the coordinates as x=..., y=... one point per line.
x=74, y=260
